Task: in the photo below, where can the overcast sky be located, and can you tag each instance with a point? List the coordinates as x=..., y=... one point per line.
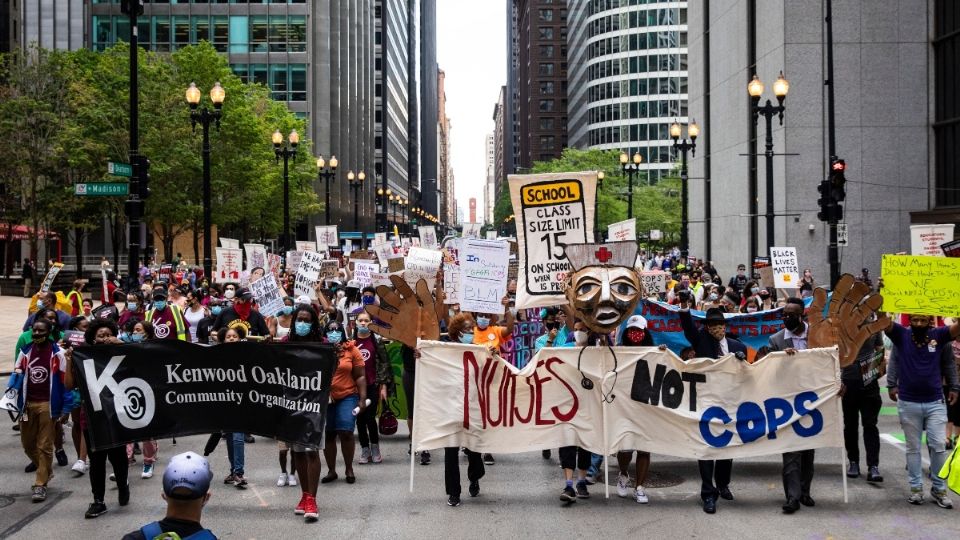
x=471, y=50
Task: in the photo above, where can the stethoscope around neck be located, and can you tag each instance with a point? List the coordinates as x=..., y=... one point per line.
x=588, y=383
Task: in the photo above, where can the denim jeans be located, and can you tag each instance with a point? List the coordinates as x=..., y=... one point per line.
x=596, y=461
x=235, y=443
x=915, y=418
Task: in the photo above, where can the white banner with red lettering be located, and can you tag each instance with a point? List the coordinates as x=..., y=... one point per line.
x=703, y=409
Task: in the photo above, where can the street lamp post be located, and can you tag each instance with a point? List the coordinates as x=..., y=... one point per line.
x=356, y=182
x=205, y=117
x=682, y=146
x=286, y=152
x=326, y=175
x=780, y=89
x=631, y=169
x=384, y=196
x=596, y=208
x=394, y=202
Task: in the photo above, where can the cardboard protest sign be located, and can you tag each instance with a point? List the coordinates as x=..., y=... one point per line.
x=51, y=276
x=293, y=261
x=268, y=294
x=468, y=397
x=395, y=264
x=304, y=245
x=758, y=263
x=421, y=263
x=327, y=237
x=274, y=262
x=382, y=278
x=363, y=272
x=229, y=264
x=308, y=273
x=654, y=282
x=230, y=243
x=471, y=230
x=551, y=210
x=428, y=236
x=766, y=277
x=329, y=268
x=786, y=268
x=920, y=285
x=452, y=278
x=483, y=267
x=622, y=230
x=927, y=239
x=256, y=256
x=379, y=238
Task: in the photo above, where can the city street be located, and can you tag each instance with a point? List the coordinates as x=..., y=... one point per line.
x=519, y=495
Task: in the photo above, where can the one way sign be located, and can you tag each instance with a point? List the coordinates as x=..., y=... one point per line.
x=842, y=239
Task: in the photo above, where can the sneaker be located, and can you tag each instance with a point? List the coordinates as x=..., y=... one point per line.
x=113, y=477
x=568, y=495
x=940, y=497
x=425, y=458
x=590, y=479
x=453, y=500
x=641, y=495
x=61, y=457
x=582, y=492
x=488, y=459
x=239, y=481
x=282, y=480
x=474, y=488
x=123, y=495
x=230, y=479
x=916, y=496
x=80, y=467
x=873, y=474
x=292, y=480
x=310, y=512
x=375, y=453
x=364, y=456
x=96, y=509
x=623, y=485
x=39, y=494
x=147, y=471
x=249, y=439
x=853, y=470
x=545, y=454
x=301, y=506
x=174, y=441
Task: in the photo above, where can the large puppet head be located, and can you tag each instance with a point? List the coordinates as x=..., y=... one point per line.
x=604, y=288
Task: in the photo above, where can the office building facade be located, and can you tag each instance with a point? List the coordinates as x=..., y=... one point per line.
x=489, y=187
x=627, y=71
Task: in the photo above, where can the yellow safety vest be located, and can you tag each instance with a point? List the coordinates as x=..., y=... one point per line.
x=177, y=320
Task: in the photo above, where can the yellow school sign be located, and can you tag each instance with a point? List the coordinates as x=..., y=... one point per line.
x=921, y=285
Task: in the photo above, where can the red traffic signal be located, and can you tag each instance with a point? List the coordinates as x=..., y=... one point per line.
x=838, y=165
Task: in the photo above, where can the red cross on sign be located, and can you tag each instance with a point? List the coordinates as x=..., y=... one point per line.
x=603, y=254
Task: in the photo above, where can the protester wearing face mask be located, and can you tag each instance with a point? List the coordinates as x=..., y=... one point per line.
x=729, y=302
x=348, y=391
x=205, y=331
x=635, y=334
x=47, y=301
x=140, y=332
x=554, y=321
x=712, y=342
x=752, y=302
x=132, y=310
x=739, y=281
x=379, y=375
x=229, y=291
x=281, y=323
x=488, y=333
x=167, y=320
x=195, y=312
x=242, y=314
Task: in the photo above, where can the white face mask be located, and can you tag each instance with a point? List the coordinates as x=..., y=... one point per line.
x=580, y=337
x=229, y=293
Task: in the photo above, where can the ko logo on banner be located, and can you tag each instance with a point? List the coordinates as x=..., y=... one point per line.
x=132, y=397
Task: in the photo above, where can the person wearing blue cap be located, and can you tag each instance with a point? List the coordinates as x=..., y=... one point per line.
x=186, y=488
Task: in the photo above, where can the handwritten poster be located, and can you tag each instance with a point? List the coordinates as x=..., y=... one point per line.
x=786, y=269
x=231, y=243
x=451, y=271
x=382, y=278
x=484, y=275
x=329, y=268
x=293, y=260
x=327, y=237
x=229, y=264
x=363, y=272
x=51, y=276
x=428, y=236
x=380, y=238
x=654, y=282
x=927, y=239
x=921, y=285
x=471, y=230
x=421, y=263
x=268, y=294
x=307, y=274
x=256, y=256
x=622, y=231
x=305, y=245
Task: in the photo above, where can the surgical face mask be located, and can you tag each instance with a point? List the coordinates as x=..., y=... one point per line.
x=367, y=300
x=580, y=337
x=301, y=328
x=124, y=337
x=483, y=322
x=466, y=337
x=131, y=306
x=755, y=290
x=713, y=297
x=363, y=331
x=341, y=294
x=159, y=304
x=41, y=304
x=137, y=338
x=229, y=293
x=334, y=336
x=286, y=310
x=216, y=310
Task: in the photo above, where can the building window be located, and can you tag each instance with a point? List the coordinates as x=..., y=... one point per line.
x=546, y=124
x=546, y=105
x=546, y=15
x=546, y=32
x=547, y=142
x=946, y=51
x=545, y=69
x=546, y=87
x=546, y=51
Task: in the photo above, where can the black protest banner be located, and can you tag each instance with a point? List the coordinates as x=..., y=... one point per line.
x=160, y=389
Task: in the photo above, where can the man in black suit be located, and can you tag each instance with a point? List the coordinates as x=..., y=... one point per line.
x=712, y=341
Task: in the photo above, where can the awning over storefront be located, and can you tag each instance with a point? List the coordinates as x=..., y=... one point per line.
x=23, y=232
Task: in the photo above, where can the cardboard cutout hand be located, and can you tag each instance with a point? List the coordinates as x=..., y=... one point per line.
x=405, y=315
x=847, y=323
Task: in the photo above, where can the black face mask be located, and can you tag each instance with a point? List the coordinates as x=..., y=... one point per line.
x=919, y=332
x=793, y=322
x=552, y=325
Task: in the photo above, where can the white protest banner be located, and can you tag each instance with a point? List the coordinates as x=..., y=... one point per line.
x=52, y=275
x=307, y=274
x=927, y=239
x=305, y=245
x=363, y=272
x=428, y=236
x=421, y=263
x=786, y=268
x=379, y=238
x=663, y=405
x=622, y=231
x=256, y=256
x=229, y=264
x=384, y=251
x=483, y=266
x=268, y=294
x=471, y=230
x=452, y=279
x=293, y=260
x=327, y=237
x=654, y=281
x=551, y=210
x=230, y=243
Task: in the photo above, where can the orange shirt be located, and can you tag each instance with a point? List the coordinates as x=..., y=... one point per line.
x=490, y=336
x=343, y=384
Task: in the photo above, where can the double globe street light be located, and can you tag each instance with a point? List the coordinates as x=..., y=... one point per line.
x=205, y=117
x=631, y=169
x=326, y=173
x=286, y=152
x=683, y=146
x=780, y=88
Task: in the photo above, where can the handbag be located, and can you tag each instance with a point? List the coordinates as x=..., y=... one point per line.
x=388, y=422
x=951, y=470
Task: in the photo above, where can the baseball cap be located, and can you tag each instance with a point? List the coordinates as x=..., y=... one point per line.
x=636, y=321
x=187, y=476
x=244, y=293
x=303, y=299
x=159, y=292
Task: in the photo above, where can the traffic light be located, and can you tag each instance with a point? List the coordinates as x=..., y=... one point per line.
x=838, y=179
x=127, y=5
x=143, y=173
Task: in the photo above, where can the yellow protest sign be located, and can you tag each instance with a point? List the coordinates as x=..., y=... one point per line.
x=921, y=285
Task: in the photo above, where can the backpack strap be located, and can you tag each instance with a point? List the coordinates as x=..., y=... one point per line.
x=205, y=534
x=151, y=530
